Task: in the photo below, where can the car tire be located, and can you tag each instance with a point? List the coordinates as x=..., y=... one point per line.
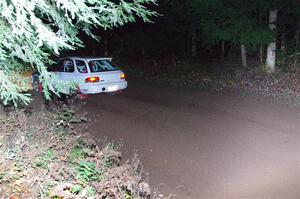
x=36, y=86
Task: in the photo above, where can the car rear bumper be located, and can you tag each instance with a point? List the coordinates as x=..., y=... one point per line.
x=102, y=88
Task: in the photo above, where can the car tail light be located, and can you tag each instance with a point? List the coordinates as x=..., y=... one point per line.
x=122, y=76
x=92, y=79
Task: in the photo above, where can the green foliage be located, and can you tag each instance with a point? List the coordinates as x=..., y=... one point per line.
x=90, y=191
x=87, y=171
x=44, y=159
x=2, y=175
x=235, y=30
x=33, y=30
x=78, y=152
x=232, y=21
x=76, y=189
x=64, y=118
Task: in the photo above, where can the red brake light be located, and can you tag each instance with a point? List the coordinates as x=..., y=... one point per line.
x=122, y=76
x=92, y=79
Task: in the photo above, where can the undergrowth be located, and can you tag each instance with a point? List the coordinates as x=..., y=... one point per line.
x=44, y=157
x=282, y=85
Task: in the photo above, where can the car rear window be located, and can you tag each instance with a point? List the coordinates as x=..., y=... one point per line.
x=101, y=66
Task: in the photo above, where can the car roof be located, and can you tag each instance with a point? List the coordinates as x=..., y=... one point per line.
x=87, y=58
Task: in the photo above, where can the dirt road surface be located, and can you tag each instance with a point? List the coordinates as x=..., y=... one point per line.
x=214, y=145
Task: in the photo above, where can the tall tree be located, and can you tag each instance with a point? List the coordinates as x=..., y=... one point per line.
x=32, y=30
x=271, y=53
x=219, y=21
x=243, y=55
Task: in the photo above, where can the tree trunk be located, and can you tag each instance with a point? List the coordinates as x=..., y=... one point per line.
x=261, y=54
x=261, y=51
x=296, y=48
x=283, y=48
x=222, y=50
x=229, y=50
x=194, y=45
x=121, y=48
x=244, y=56
x=94, y=48
x=271, y=53
x=143, y=54
x=282, y=42
x=186, y=45
x=105, y=45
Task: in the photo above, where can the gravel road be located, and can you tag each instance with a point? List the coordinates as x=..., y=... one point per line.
x=204, y=145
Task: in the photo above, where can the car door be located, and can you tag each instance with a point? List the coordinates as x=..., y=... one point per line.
x=66, y=71
x=82, y=71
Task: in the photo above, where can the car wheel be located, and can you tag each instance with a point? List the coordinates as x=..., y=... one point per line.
x=36, y=86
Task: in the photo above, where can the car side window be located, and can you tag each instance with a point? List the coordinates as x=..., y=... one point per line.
x=81, y=66
x=66, y=66
x=54, y=67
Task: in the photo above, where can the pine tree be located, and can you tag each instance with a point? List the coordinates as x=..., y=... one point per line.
x=33, y=30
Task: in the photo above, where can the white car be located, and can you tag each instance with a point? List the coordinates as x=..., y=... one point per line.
x=93, y=75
